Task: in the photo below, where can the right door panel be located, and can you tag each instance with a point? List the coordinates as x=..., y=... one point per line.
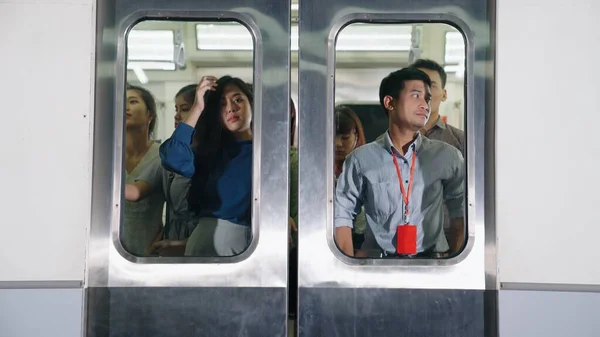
x=439, y=295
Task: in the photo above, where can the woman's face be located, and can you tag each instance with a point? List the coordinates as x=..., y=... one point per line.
x=236, y=112
x=344, y=144
x=137, y=116
x=182, y=109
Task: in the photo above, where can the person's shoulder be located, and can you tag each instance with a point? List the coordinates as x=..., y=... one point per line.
x=154, y=149
x=439, y=147
x=458, y=133
x=367, y=152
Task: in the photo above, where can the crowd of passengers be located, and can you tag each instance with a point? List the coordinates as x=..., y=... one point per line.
x=400, y=196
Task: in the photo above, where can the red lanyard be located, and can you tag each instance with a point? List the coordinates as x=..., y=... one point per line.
x=406, y=194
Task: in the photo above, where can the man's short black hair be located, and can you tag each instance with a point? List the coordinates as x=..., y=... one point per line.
x=431, y=65
x=394, y=83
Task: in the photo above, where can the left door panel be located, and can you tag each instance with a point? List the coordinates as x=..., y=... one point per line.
x=241, y=295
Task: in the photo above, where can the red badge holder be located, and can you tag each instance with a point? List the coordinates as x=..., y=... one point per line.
x=406, y=239
x=406, y=234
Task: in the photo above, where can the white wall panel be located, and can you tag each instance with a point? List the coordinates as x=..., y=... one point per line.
x=548, y=106
x=45, y=142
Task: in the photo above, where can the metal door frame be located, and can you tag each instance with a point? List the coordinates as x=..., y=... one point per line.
x=245, y=295
x=340, y=296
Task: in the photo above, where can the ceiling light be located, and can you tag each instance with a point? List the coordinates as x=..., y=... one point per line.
x=455, y=48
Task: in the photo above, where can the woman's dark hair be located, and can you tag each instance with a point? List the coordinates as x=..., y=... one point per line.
x=212, y=139
x=150, y=102
x=346, y=122
x=188, y=92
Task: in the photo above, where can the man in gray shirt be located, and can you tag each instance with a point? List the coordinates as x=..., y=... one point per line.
x=436, y=128
x=402, y=178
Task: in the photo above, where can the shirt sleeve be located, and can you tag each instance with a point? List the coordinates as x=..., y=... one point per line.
x=348, y=193
x=176, y=153
x=454, y=187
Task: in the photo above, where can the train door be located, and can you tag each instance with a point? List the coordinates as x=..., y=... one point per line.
x=131, y=292
x=338, y=295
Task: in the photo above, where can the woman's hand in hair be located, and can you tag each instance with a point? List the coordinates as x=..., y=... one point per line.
x=206, y=83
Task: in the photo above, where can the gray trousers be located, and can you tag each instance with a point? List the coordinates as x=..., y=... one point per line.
x=215, y=237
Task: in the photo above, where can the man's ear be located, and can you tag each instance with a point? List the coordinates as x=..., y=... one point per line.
x=388, y=102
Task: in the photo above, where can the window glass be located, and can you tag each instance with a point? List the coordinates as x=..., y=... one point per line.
x=399, y=94
x=188, y=139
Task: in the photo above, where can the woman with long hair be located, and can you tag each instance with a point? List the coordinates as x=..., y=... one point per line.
x=142, y=223
x=180, y=222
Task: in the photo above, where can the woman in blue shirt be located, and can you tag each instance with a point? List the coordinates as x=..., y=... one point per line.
x=220, y=166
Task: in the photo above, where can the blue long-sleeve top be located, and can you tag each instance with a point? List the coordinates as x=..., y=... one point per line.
x=228, y=191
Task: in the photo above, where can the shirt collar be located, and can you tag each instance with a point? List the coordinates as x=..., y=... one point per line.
x=440, y=123
x=386, y=142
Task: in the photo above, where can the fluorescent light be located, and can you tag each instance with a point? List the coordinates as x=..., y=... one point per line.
x=295, y=7
x=223, y=36
x=455, y=48
x=356, y=37
x=150, y=45
x=373, y=37
x=454, y=57
x=149, y=65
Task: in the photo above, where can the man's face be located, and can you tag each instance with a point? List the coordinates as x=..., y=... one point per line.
x=438, y=92
x=411, y=107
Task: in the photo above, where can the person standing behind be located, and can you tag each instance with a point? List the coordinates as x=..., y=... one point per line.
x=349, y=135
x=436, y=128
x=142, y=222
x=180, y=222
